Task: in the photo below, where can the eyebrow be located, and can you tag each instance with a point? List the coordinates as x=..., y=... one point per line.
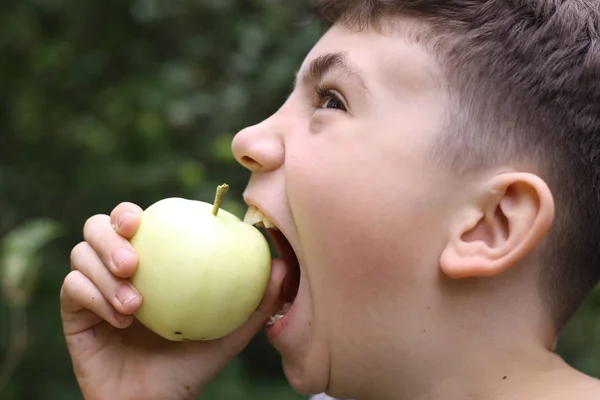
x=326, y=63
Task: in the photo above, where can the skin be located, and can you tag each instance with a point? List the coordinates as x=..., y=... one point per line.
x=416, y=283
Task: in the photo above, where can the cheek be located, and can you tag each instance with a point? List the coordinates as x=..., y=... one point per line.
x=361, y=229
x=353, y=260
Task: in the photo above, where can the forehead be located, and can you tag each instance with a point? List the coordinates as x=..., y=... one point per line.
x=389, y=57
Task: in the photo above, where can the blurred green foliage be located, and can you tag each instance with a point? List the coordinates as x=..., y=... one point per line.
x=110, y=101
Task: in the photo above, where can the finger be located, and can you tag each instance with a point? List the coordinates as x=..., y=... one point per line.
x=79, y=294
x=269, y=305
x=119, y=292
x=125, y=219
x=114, y=250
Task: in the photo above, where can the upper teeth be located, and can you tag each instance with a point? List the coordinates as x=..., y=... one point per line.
x=255, y=217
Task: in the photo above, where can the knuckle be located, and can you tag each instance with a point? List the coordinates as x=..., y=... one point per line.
x=94, y=219
x=92, y=223
x=77, y=253
x=71, y=282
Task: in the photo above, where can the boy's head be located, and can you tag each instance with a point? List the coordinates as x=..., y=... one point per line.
x=523, y=85
x=436, y=172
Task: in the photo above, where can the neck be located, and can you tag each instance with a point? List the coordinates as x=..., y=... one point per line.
x=469, y=345
x=519, y=372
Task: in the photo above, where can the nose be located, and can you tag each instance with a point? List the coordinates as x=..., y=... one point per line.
x=259, y=148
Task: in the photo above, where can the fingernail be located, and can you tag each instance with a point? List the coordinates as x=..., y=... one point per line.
x=121, y=255
x=125, y=294
x=123, y=218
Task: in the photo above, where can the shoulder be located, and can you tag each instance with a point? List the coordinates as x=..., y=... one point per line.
x=588, y=389
x=591, y=392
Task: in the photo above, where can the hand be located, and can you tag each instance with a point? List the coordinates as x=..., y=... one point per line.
x=116, y=357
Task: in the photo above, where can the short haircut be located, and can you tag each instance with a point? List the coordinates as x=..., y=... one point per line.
x=524, y=80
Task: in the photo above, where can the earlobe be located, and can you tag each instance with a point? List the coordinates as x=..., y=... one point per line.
x=504, y=222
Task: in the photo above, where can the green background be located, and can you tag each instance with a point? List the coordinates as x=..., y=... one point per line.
x=114, y=100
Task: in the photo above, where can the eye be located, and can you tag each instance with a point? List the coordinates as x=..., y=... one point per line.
x=329, y=99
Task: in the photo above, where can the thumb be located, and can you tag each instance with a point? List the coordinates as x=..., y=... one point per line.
x=271, y=302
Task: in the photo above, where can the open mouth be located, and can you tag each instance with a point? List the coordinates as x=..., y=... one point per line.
x=285, y=251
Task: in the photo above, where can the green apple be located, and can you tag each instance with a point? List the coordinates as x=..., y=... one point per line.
x=202, y=270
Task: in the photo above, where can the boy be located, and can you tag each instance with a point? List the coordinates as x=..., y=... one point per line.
x=435, y=171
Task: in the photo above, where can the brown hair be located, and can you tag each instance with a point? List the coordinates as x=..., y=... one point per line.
x=525, y=80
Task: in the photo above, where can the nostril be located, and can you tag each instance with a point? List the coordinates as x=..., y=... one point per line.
x=262, y=154
x=249, y=162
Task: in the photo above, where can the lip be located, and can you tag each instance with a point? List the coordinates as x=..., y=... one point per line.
x=274, y=331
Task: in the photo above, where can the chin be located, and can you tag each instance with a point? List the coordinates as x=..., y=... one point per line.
x=305, y=360
x=304, y=379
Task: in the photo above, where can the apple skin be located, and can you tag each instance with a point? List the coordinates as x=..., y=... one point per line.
x=200, y=276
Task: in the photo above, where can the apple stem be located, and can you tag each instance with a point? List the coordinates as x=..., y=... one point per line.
x=221, y=192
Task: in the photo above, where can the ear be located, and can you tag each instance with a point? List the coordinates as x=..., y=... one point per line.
x=507, y=218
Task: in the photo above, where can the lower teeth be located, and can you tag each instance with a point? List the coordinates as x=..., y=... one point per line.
x=280, y=314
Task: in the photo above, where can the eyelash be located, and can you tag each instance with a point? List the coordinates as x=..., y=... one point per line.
x=325, y=93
